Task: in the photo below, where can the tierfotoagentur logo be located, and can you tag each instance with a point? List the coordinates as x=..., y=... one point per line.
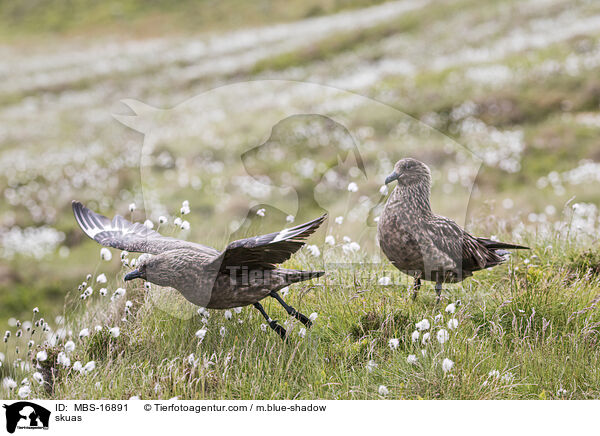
x=26, y=415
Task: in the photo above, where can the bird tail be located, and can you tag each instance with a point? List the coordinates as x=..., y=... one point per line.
x=294, y=276
x=495, y=245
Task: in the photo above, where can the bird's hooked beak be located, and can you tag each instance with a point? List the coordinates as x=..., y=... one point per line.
x=135, y=274
x=392, y=177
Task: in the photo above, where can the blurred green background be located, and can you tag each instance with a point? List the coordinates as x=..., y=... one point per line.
x=515, y=83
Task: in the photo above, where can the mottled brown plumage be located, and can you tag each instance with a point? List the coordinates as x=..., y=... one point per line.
x=244, y=273
x=425, y=245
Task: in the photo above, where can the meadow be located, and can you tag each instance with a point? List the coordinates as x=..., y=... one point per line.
x=301, y=108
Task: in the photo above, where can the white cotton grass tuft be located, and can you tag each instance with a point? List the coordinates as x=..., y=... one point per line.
x=63, y=359
x=177, y=221
x=261, y=212
x=69, y=346
x=423, y=324
x=105, y=254
x=132, y=207
x=384, y=281
x=452, y=323
x=38, y=377
x=425, y=338
x=302, y=332
x=339, y=220
x=263, y=327
x=77, y=366
x=451, y=308
x=438, y=318
x=8, y=383
x=415, y=336
x=443, y=336
x=314, y=250
x=223, y=331
x=115, y=332
x=383, y=390
x=41, y=355
x=290, y=218
x=412, y=359
x=162, y=219
x=393, y=343
x=352, y=187
x=371, y=365
x=149, y=224
x=101, y=278
x=383, y=190
x=103, y=291
x=313, y=316
x=447, y=365
x=84, y=333
x=24, y=391
x=185, y=225
x=89, y=367
x=200, y=334
x=330, y=240
x=228, y=314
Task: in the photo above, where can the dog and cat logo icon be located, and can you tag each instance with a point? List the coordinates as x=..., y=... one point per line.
x=26, y=415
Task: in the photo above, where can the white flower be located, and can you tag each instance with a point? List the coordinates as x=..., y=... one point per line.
x=83, y=333
x=384, y=281
x=38, y=377
x=105, y=254
x=222, y=331
x=352, y=247
x=451, y=308
x=8, y=383
x=77, y=366
x=452, y=323
x=24, y=391
x=237, y=309
x=302, y=332
x=177, y=221
x=134, y=397
x=162, y=219
x=90, y=366
x=128, y=304
x=115, y=332
x=412, y=359
x=447, y=365
x=41, y=355
x=98, y=328
x=261, y=212
x=36, y=310
x=393, y=343
x=132, y=207
x=185, y=225
x=339, y=220
x=201, y=333
x=101, y=278
x=330, y=240
x=415, y=336
x=118, y=294
x=263, y=327
x=228, y=314
x=314, y=250
x=494, y=373
x=63, y=359
x=383, y=190
x=425, y=338
x=149, y=224
x=103, y=291
x=185, y=203
x=313, y=316
x=438, y=318
x=423, y=324
x=290, y=218
x=383, y=391
x=508, y=377
x=352, y=187
x=443, y=336
x=185, y=210
x=371, y=365
x=202, y=311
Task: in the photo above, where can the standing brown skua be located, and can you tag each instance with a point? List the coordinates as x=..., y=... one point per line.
x=427, y=246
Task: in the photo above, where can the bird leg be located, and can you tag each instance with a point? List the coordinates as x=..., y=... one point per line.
x=272, y=323
x=291, y=311
x=438, y=291
x=416, y=287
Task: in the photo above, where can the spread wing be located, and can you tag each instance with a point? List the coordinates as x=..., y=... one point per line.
x=122, y=234
x=264, y=252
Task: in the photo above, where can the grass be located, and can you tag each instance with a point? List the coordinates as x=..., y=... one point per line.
x=526, y=330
